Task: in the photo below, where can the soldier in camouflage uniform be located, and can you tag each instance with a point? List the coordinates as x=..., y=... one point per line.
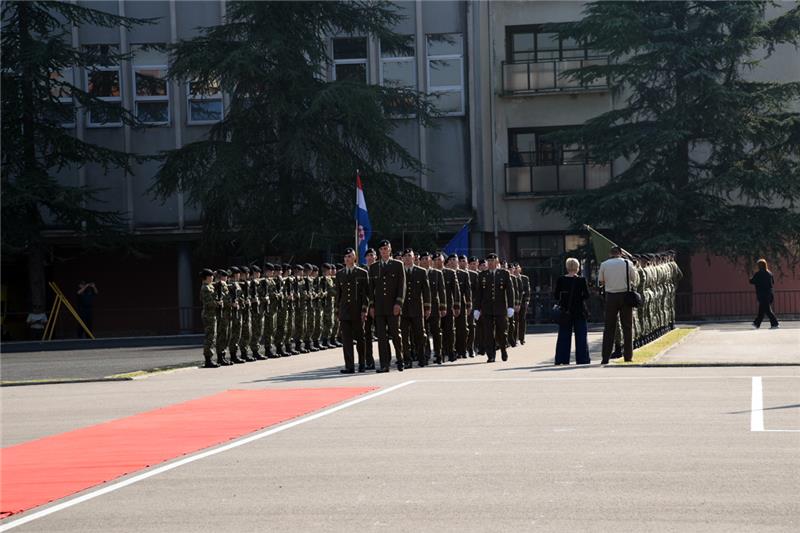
x=223, y=317
x=235, y=290
x=336, y=329
x=281, y=322
x=300, y=312
x=328, y=305
x=271, y=313
x=316, y=308
x=258, y=308
x=210, y=305
x=291, y=325
x=246, y=306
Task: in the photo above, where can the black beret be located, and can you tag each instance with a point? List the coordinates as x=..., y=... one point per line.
x=370, y=251
x=408, y=251
x=452, y=256
x=472, y=259
x=244, y=269
x=269, y=266
x=298, y=267
x=424, y=254
x=350, y=251
x=222, y=272
x=491, y=256
x=339, y=266
x=308, y=266
x=206, y=272
x=482, y=261
x=462, y=257
x=383, y=243
x=314, y=268
x=255, y=268
x=287, y=266
x=327, y=265
x=234, y=269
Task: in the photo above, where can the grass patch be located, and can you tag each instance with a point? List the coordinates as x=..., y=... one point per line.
x=647, y=352
x=156, y=370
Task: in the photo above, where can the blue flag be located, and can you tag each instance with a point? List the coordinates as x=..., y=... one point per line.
x=363, y=227
x=459, y=244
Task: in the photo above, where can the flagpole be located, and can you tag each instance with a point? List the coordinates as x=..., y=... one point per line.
x=358, y=259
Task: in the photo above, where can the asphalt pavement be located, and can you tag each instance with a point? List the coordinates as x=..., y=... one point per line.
x=514, y=446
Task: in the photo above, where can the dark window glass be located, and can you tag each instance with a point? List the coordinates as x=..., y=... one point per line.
x=350, y=48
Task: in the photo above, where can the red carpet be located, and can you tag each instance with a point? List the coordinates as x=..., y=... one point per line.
x=43, y=470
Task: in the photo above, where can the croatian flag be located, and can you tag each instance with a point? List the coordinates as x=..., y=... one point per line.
x=363, y=227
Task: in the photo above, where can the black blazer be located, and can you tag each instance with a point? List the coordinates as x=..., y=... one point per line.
x=387, y=286
x=579, y=289
x=763, y=282
x=418, y=292
x=494, y=294
x=352, y=296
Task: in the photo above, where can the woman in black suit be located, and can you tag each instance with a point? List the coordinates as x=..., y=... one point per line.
x=571, y=292
x=764, y=282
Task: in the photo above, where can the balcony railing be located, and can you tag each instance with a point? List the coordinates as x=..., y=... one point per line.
x=534, y=77
x=539, y=178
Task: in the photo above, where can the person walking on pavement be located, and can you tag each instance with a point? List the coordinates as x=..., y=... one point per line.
x=494, y=303
x=352, y=301
x=617, y=275
x=387, y=279
x=763, y=282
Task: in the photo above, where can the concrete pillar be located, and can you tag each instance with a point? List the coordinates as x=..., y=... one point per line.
x=185, y=294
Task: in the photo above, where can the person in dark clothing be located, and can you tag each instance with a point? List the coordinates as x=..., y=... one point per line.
x=764, y=282
x=86, y=295
x=571, y=292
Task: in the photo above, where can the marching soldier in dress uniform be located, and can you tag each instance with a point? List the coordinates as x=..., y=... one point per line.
x=387, y=290
x=370, y=256
x=494, y=304
x=523, y=308
x=224, y=316
x=210, y=305
x=351, y=304
x=416, y=309
x=438, y=306
x=258, y=308
x=513, y=322
x=237, y=299
x=453, y=293
x=466, y=340
x=473, y=335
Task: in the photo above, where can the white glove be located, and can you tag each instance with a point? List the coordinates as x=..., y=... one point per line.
x=476, y=314
x=510, y=312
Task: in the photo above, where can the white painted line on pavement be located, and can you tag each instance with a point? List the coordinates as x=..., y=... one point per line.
x=757, y=405
x=165, y=468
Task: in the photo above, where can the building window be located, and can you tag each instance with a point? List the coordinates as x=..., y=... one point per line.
x=65, y=111
x=530, y=43
x=204, y=103
x=446, y=72
x=150, y=86
x=398, y=69
x=103, y=83
x=537, y=164
x=350, y=59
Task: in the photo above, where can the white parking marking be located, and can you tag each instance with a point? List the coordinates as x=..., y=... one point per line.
x=757, y=409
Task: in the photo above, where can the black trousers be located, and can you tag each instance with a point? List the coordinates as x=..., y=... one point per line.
x=494, y=333
x=461, y=332
x=388, y=327
x=522, y=323
x=352, y=331
x=448, y=334
x=512, y=330
x=470, y=332
x=435, y=331
x=765, y=308
x=368, y=341
x=413, y=335
x=615, y=306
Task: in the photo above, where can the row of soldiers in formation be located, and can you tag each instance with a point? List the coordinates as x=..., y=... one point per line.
x=422, y=303
x=659, y=275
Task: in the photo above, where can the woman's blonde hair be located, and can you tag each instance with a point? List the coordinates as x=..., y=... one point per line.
x=762, y=265
x=573, y=265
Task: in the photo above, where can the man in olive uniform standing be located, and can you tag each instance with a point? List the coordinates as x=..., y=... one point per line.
x=245, y=311
x=494, y=301
x=271, y=312
x=352, y=302
x=224, y=316
x=258, y=308
x=284, y=324
x=454, y=299
x=370, y=256
x=416, y=309
x=438, y=306
x=210, y=305
x=523, y=308
x=235, y=290
x=388, y=291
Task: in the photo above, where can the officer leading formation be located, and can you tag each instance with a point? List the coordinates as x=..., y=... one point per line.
x=427, y=308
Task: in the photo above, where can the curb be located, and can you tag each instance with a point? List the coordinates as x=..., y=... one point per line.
x=102, y=343
x=59, y=381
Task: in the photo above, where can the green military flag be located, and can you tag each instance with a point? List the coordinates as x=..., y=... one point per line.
x=601, y=244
